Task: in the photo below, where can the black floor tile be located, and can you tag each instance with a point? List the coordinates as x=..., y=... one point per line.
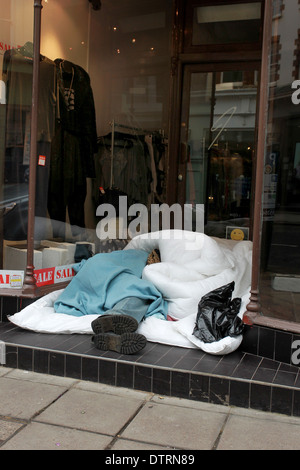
x=25, y=358
x=41, y=361
x=57, y=363
x=107, y=372
x=266, y=371
x=125, y=374
x=227, y=364
x=153, y=353
x=180, y=384
x=89, y=369
x=260, y=397
x=171, y=357
x=247, y=366
x=161, y=381
x=296, y=403
x=207, y=363
x=282, y=399
x=283, y=346
x=266, y=343
x=219, y=391
x=142, y=378
x=73, y=366
x=199, y=387
x=239, y=394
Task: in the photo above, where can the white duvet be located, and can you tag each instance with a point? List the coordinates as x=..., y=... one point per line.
x=192, y=264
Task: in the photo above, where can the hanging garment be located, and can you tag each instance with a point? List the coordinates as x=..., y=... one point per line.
x=17, y=74
x=73, y=146
x=67, y=187
x=126, y=169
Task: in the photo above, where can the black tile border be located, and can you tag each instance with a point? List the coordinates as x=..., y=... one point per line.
x=243, y=378
x=194, y=385
x=270, y=343
x=257, y=340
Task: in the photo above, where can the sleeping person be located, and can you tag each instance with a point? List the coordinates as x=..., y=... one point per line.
x=111, y=286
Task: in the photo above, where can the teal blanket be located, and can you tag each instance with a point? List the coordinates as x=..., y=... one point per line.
x=104, y=280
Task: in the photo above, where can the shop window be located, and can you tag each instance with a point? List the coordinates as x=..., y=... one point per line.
x=280, y=263
x=102, y=127
x=16, y=67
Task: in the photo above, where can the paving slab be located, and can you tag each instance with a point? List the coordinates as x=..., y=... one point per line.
x=8, y=428
x=4, y=371
x=125, y=444
x=244, y=432
x=91, y=411
x=29, y=376
x=23, y=399
x=178, y=427
x=39, y=436
x=43, y=412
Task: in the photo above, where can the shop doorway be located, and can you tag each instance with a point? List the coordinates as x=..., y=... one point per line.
x=217, y=145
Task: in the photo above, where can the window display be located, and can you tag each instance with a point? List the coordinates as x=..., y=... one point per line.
x=102, y=125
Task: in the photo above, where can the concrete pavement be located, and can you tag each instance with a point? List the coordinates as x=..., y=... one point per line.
x=42, y=412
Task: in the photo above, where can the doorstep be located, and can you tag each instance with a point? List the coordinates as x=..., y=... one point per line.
x=242, y=379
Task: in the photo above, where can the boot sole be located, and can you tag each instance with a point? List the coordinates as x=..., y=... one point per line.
x=127, y=343
x=117, y=324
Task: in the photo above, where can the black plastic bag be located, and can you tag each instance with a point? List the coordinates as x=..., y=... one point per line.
x=217, y=315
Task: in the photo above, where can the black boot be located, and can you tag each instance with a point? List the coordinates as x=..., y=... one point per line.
x=126, y=343
x=115, y=323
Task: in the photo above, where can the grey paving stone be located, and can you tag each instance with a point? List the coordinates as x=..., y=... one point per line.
x=39, y=436
x=92, y=411
x=265, y=433
x=176, y=426
x=23, y=399
x=8, y=428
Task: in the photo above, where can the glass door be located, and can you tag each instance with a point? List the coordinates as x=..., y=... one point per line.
x=218, y=146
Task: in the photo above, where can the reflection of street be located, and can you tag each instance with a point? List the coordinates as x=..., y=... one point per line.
x=14, y=193
x=283, y=266
x=284, y=254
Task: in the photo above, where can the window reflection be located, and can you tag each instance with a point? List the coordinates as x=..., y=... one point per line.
x=221, y=142
x=280, y=280
x=226, y=24
x=16, y=66
x=102, y=125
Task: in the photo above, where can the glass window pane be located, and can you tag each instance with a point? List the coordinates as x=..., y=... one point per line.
x=226, y=24
x=280, y=276
x=16, y=65
x=104, y=82
x=221, y=136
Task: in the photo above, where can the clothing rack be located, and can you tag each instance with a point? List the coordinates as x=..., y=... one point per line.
x=133, y=142
x=115, y=125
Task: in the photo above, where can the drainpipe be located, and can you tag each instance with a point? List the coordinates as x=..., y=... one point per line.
x=254, y=308
x=29, y=279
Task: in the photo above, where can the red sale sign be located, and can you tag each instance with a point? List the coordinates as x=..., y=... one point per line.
x=48, y=276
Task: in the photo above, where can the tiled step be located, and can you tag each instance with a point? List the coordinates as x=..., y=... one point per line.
x=238, y=379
